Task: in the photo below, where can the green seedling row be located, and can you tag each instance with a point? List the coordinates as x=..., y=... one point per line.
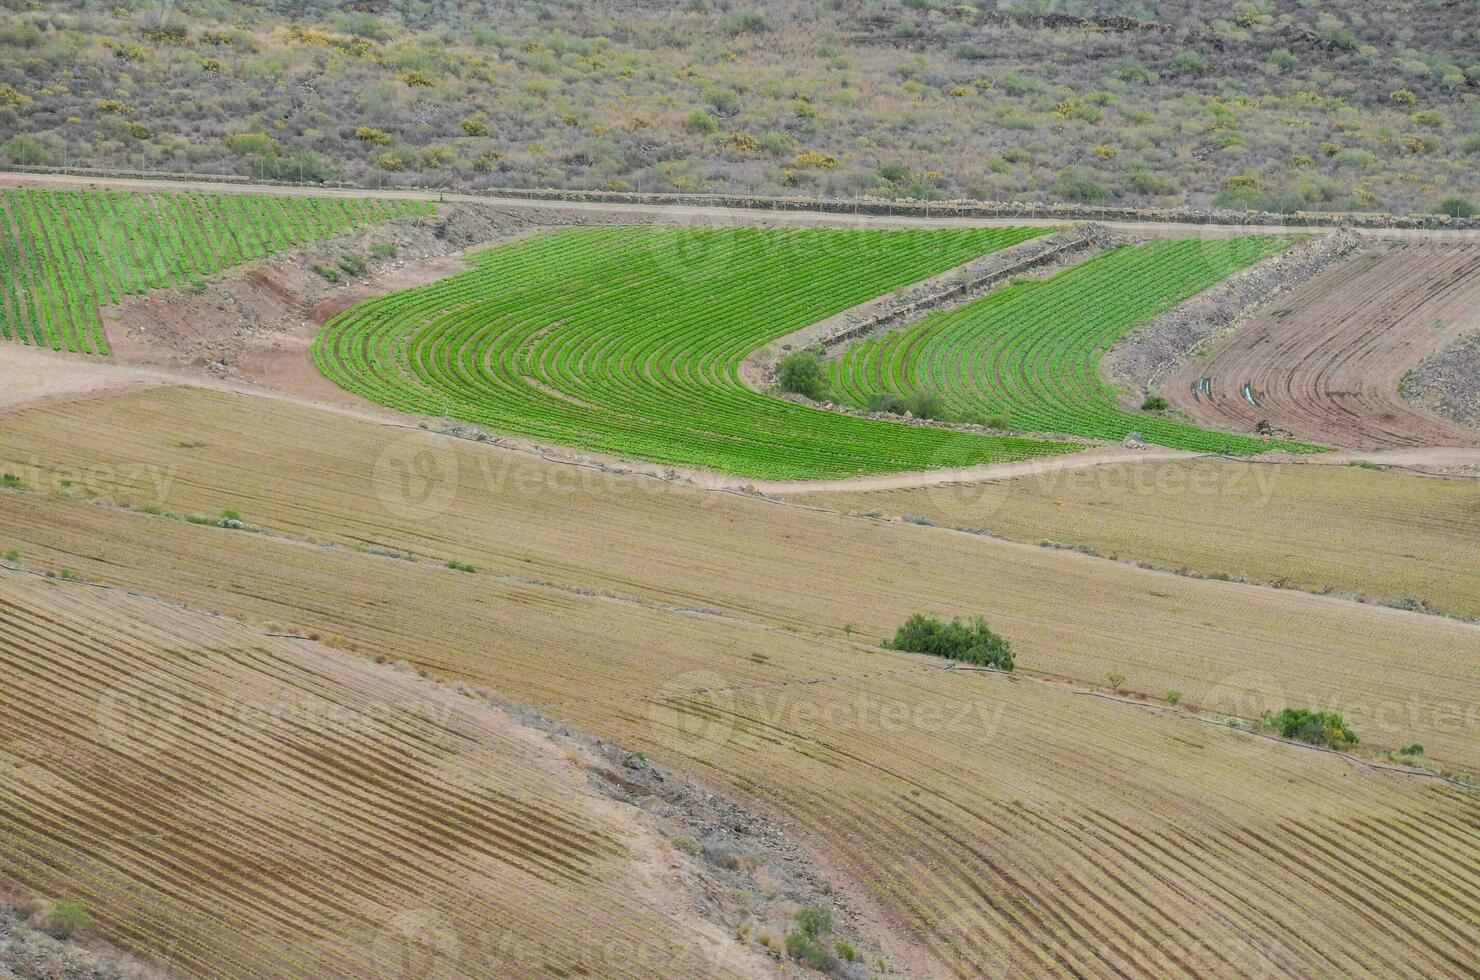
x=1030, y=352
x=64, y=254
x=629, y=341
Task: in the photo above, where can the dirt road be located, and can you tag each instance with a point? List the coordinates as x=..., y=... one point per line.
x=690, y=214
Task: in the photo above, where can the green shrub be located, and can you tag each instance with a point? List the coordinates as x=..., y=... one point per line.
x=813, y=920
x=894, y=173
x=1075, y=185
x=886, y=401
x=460, y=566
x=12, y=555
x=252, y=144
x=687, y=845
x=702, y=123
x=1324, y=728
x=1155, y=403
x=1146, y=182
x=330, y=275
x=800, y=372
x=1282, y=59
x=1189, y=63
x=926, y=404
x=383, y=250
x=1414, y=749
x=1456, y=207
x=27, y=151
x=722, y=100
x=807, y=944
x=810, y=952
x=972, y=643
x=11, y=482
x=352, y=264
x=746, y=22
x=66, y=918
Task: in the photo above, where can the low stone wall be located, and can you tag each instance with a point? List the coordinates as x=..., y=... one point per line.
x=1007, y=210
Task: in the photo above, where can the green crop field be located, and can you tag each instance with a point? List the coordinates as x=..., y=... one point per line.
x=64, y=254
x=1031, y=351
x=629, y=341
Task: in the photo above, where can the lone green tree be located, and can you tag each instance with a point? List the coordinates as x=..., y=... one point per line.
x=800, y=372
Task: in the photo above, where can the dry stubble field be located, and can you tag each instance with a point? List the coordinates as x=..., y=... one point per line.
x=992, y=820
x=1380, y=534
x=317, y=476
x=233, y=804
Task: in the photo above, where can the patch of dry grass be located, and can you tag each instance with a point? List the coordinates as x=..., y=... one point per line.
x=1379, y=534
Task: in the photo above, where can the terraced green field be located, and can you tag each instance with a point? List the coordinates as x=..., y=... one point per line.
x=63, y=254
x=629, y=340
x=1031, y=351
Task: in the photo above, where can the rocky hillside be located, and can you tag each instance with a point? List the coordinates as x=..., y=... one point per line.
x=1275, y=104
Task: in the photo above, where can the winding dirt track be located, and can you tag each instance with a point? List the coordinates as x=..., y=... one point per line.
x=1325, y=363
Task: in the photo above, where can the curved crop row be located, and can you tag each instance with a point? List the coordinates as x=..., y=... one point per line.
x=1031, y=351
x=64, y=254
x=629, y=341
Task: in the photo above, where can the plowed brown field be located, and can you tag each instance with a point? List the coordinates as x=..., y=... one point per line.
x=229, y=804
x=1326, y=360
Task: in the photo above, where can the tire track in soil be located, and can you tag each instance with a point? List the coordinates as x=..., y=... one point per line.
x=1326, y=362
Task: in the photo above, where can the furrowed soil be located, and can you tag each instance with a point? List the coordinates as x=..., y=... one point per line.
x=1325, y=362
x=1386, y=535
x=355, y=485
x=1012, y=826
x=228, y=803
x=1001, y=825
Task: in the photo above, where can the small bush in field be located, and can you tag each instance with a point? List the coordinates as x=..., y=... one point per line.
x=886, y=401
x=66, y=918
x=1324, y=728
x=972, y=643
x=800, y=372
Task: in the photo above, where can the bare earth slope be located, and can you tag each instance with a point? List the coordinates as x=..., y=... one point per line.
x=1007, y=826
x=1326, y=361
